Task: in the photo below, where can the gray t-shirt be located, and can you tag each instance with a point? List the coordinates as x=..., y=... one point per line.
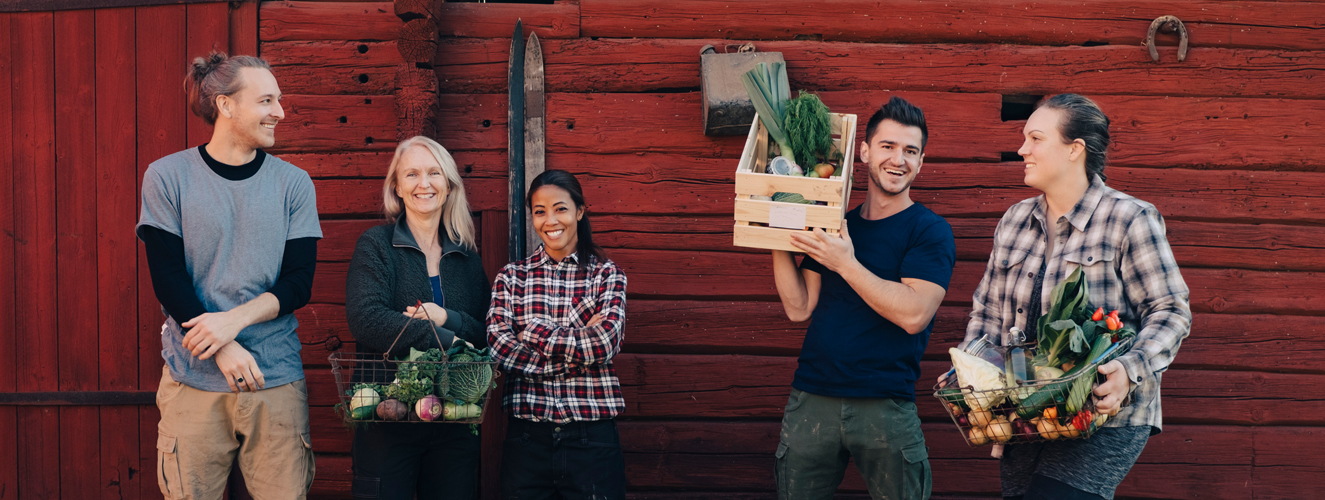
x=234, y=236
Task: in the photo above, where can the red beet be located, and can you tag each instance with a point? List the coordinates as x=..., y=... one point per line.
x=392, y=409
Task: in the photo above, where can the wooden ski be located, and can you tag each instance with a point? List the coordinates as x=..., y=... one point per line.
x=534, y=140
x=515, y=144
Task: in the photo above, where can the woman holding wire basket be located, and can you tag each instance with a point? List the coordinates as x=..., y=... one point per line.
x=416, y=282
x=1118, y=242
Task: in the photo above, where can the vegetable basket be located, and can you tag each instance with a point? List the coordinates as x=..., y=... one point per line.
x=1031, y=411
x=763, y=223
x=432, y=386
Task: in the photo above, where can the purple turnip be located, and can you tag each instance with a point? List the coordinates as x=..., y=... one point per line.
x=428, y=408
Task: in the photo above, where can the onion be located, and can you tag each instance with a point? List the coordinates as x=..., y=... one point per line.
x=978, y=436
x=1000, y=430
x=980, y=418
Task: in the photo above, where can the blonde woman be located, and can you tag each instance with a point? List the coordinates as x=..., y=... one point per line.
x=425, y=253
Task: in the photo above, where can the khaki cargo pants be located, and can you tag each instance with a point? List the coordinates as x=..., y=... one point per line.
x=201, y=432
x=819, y=435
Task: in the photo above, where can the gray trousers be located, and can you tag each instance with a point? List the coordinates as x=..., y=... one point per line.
x=820, y=434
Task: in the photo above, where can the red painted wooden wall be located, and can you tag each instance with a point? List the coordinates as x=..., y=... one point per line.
x=87, y=99
x=1225, y=144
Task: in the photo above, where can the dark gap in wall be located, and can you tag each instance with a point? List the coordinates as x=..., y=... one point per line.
x=1019, y=106
x=1009, y=156
x=1093, y=43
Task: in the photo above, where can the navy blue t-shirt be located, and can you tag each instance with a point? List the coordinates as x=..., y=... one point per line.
x=850, y=350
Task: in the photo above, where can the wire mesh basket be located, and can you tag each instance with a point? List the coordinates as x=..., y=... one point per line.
x=1033, y=411
x=431, y=388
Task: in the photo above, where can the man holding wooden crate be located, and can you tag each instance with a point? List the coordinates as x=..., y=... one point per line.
x=231, y=236
x=870, y=294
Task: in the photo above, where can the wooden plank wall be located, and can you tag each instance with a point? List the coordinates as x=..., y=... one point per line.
x=89, y=98
x=1224, y=144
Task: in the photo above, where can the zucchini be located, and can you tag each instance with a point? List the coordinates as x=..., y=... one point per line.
x=954, y=395
x=1032, y=405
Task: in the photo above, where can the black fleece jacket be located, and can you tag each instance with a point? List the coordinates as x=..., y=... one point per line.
x=388, y=273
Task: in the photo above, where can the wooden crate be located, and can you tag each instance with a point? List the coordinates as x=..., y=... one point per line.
x=753, y=216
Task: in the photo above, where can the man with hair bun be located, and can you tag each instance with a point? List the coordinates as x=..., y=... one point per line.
x=870, y=295
x=231, y=239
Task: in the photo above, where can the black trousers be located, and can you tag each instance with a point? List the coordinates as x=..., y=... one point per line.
x=579, y=460
x=395, y=461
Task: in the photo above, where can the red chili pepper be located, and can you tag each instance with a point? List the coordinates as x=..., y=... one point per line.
x=1112, y=323
x=1082, y=420
x=1099, y=315
x=1114, y=314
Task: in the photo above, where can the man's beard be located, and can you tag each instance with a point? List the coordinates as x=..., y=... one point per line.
x=878, y=183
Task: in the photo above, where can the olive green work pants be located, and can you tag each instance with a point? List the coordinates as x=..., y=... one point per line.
x=820, y=434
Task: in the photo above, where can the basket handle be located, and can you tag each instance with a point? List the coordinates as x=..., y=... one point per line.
x=386, y=356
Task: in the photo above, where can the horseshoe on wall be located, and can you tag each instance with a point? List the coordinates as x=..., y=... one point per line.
x=1167, y=24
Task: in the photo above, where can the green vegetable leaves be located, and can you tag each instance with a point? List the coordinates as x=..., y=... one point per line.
x=768, y=89
x=808, y=130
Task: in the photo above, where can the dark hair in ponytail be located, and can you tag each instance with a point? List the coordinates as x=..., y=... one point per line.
x=1083, y=119
x=565, y=180
x=216, y=74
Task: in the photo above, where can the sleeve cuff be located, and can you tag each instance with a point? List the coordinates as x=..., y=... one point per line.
x=1135, y=367
x=445, y=336
x=453, y=321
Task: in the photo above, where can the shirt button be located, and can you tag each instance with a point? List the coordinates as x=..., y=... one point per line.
x=1018, y=310
x=1030, y=275
x=556, y=429
x=1005, y=262
x=1088, y=259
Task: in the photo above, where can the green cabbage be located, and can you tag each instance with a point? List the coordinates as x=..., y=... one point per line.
x=468, y=382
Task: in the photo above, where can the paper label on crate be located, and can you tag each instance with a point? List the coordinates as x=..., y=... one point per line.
x=786, y=216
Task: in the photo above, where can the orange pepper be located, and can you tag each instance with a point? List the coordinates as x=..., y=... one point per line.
x=1051, y=412
x=1112, y=323
x=1099, y=315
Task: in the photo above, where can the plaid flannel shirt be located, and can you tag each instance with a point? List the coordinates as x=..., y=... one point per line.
x=1119, y=243
x=558, y=369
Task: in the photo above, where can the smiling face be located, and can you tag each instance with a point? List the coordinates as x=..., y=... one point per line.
x=894, y=157
x=1050, y=161
x=252, y=113
x=554, y=217
x=420, y=182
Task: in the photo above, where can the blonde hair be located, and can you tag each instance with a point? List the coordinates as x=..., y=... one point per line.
x=214, y=75
x=455, y=210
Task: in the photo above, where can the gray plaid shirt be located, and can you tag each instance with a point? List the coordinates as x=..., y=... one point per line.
x=1119, y=242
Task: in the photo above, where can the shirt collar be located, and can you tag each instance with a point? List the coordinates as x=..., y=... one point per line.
x=542, y=258
x=1080, y=213
x=402, y=237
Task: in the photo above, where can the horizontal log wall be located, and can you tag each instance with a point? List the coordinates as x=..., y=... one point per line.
x=1225, y=144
